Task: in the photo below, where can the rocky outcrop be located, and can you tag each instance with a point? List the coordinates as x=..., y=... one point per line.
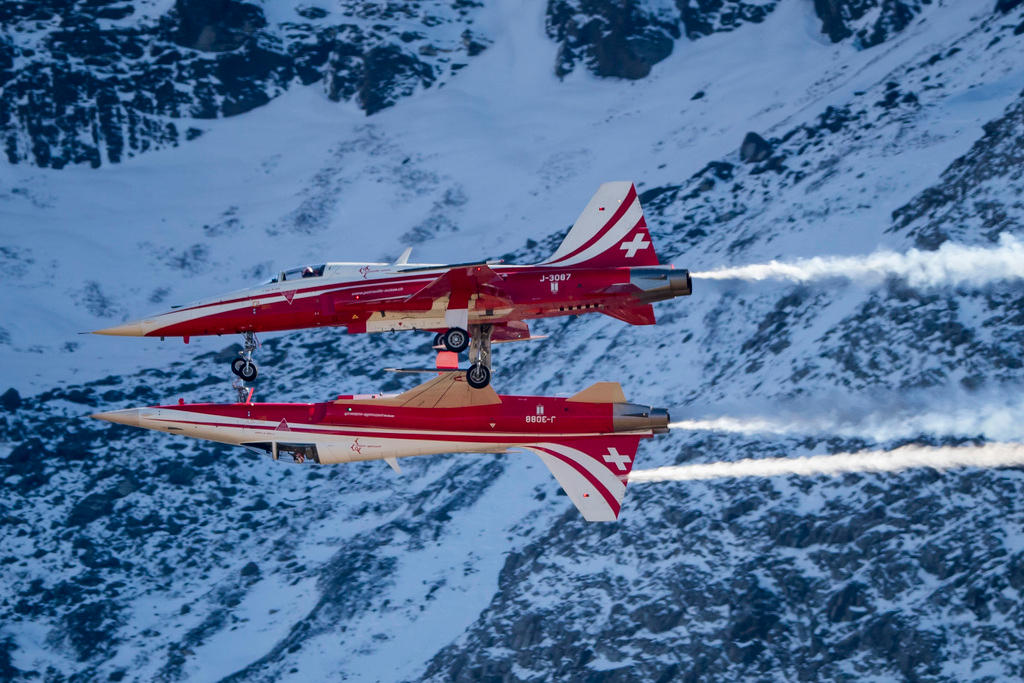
x=754, y=148
x=625, y=39
x=869, y=22
x=95, y=84
x=965, y=205
x=613, y=39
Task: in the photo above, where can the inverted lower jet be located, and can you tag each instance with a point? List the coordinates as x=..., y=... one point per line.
x=588, y=441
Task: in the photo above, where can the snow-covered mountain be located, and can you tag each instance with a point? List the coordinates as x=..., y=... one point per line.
x=754, y=129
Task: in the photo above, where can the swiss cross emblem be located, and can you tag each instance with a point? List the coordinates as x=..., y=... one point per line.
x=613, y=457
x=638, y=243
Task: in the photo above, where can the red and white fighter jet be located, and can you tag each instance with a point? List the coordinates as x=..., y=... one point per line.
x=606, y=264
x=588, y=441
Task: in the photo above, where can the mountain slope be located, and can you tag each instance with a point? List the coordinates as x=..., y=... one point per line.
x=136, y=555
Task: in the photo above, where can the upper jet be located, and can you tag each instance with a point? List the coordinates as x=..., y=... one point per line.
x=606, y=264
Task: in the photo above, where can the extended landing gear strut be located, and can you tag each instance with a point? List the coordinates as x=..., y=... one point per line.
x=478, y=341
x=479, y=374
x=244, y=366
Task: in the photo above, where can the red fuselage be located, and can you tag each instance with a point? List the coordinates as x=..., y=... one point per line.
x=381, y=298
x=588, y=441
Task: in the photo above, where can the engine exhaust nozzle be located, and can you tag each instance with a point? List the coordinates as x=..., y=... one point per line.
x=630, y=417
x=661, y=283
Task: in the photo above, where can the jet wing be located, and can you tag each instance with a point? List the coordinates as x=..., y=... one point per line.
x=461, y=282
x=450, y=390
x=592, y=471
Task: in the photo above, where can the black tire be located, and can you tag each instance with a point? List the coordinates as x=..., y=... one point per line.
x=248, y=371
x=478, y=376
x=438, y=340
x=456, y=339
x=236, y=366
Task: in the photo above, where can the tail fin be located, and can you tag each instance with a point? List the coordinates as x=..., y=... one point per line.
x=592, y=471
x=611, y=231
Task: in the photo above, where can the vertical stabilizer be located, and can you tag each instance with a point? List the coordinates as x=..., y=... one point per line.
x=611, y=231
x=592, y=471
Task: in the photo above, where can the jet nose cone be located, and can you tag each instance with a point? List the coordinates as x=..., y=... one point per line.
x=132, y=329
x=128, y=417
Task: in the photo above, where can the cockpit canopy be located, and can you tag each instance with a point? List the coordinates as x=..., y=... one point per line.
x=298, y=273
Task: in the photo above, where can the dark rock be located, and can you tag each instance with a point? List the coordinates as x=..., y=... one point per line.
x=831, y=14
x=10, y=400
x=28, y=461
x=704, y=17
x=250, y=569
x=178, y=473
x=620, y=40
x=215, y=25
x=658, y=617
x=390, y=73
x=8, y=671
x=870, y=21
x=754, y=148
x=76, y=445
x=89, y=626
x=849, y=603
x=259, y=505
x=89, y=509
x=1005, y=6
x=311, y=12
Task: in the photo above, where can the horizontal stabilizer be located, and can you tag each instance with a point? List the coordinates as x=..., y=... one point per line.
x=537, y=337
x=634, y=315
x=601, y=392
x=513, y=330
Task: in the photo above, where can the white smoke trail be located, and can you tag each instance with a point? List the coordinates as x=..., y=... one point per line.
x=964, y=415
x=950, y=265
x=989, y=455
x=751, y=425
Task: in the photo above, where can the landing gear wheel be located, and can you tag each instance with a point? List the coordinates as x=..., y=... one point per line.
x=245, y=369
x=456, y=339
x=478, y=376
x=438, y=340
x=243, y=366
